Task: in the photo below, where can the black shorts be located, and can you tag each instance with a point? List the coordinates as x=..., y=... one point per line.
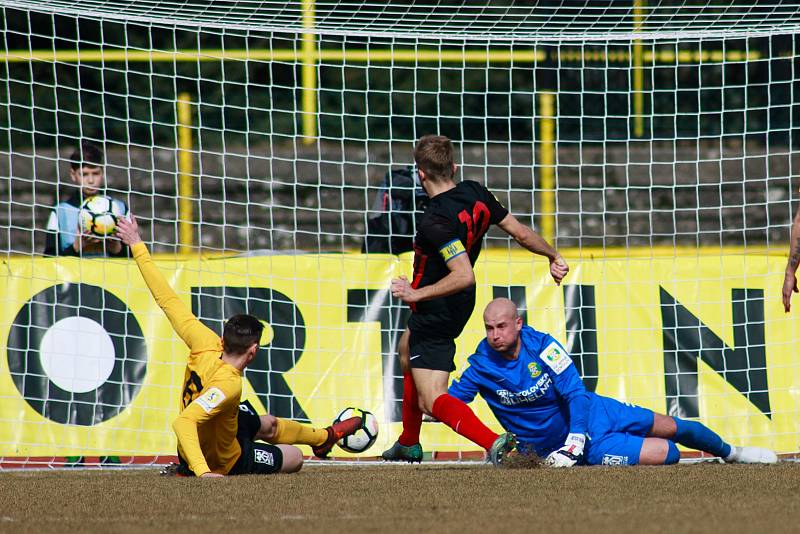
x=257, y=458
x=432, y=339
x=434, y=353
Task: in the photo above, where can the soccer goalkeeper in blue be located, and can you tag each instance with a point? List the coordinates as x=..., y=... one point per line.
x=529, y=382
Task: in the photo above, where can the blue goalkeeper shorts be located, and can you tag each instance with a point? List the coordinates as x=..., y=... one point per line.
x=616, y=432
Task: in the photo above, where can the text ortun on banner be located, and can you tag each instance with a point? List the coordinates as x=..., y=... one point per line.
x=92, y=366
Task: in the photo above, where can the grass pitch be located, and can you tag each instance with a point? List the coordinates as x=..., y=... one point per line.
x=393, y=499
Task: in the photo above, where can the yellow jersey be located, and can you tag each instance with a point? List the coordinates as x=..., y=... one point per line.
x=206, y=427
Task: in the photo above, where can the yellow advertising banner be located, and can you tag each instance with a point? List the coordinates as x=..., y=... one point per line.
x=93, y=367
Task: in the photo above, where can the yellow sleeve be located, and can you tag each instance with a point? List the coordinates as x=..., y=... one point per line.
x=214, y=398
x=189, y=328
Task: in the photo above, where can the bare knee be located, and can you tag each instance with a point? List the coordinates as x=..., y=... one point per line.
x=427, y=397
x=292, y=458
x=431, y=385
x=654, y=451
x=425, y=406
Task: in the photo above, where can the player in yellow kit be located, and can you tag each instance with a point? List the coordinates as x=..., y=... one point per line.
x=217, y=432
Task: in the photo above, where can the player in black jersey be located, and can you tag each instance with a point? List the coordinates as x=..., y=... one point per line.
x=442, y=296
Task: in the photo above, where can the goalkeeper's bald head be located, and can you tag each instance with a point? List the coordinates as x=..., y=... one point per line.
x=501, y=307
x=503, y=325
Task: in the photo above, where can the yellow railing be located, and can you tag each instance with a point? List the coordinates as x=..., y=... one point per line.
x=185, y=174
x=309, y=75
x=547, y=169
x=375, y=55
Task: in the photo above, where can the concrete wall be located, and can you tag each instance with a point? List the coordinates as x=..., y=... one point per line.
x=287, y=196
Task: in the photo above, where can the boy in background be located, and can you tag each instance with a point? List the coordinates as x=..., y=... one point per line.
x=64, y=236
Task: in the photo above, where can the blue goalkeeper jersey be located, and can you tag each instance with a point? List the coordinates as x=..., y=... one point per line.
x=539, y=396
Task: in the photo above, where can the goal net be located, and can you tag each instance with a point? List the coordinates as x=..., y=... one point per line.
x=264, y=146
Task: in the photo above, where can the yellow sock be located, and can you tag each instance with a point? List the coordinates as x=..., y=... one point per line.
x=293, y=433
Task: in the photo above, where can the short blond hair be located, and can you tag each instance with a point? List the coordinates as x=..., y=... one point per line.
x=434, y=157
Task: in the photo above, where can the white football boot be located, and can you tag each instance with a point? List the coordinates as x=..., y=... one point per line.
x=751, y=455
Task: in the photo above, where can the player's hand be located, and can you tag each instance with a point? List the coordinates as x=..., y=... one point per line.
x=401, y=289
x=789, y=286
x=128, y=230
x=558, y=269
x=211, y=475
x=569, y=454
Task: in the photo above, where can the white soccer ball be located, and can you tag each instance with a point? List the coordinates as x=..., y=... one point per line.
x=99, y=214
x=365, y=436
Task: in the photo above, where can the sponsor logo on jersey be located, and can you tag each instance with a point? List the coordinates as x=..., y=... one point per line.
x=555, y=357
x=246, y=409
x=264, y=457
x=210, y=399
x=526, y=396
x=451, y=250
x=614, y=459
x=535, y=370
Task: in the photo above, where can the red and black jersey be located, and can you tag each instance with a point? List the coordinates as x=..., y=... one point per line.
x=454, y=223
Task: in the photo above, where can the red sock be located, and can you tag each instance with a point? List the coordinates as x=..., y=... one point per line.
x=412, y=415
x=457, y=415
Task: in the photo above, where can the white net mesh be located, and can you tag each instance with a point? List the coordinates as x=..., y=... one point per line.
x=502, y=21
x=654, y=145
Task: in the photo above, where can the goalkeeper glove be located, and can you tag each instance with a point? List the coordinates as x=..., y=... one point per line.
x=569, y=454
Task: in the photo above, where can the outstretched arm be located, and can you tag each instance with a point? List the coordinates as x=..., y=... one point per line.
x=532, y=241
x=189, y=328
x=790, y=278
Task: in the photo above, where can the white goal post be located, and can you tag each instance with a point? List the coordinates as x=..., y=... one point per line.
x=654, y=145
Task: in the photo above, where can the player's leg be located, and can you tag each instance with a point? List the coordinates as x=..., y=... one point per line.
x=265, y=459
x=407, y=447
x=431, y=383
x=621, y=448
x=697, y=436
x=689, y=434
x=431, y=361
x=431, y=364
x=435, y=401
x=277, y=430
x=292, y=458
x=618, y=433
x=661, y=432
x=412, y=415
x=402, y=351
x=658, y=451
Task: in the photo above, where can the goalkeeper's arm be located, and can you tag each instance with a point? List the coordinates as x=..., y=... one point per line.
x=570, y=387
